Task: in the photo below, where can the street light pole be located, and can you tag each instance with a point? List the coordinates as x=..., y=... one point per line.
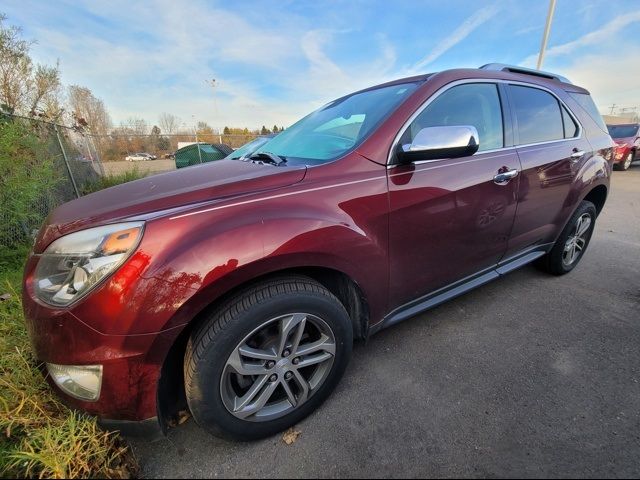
x=547, y=29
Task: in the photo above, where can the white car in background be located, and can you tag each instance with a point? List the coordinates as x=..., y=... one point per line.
x=139, y=157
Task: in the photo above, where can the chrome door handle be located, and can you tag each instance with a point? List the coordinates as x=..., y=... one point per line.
x=505, y=177
x=576, y=155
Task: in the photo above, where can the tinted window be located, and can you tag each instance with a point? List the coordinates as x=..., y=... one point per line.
x=586, y=102
x=476, y=104
x=570, y=127
x=538, y=114
x=623, y=131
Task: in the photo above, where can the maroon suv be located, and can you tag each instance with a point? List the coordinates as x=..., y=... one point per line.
x=237, y=288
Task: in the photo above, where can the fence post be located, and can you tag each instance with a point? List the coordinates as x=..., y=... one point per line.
x=198, y=146
x=66, y=161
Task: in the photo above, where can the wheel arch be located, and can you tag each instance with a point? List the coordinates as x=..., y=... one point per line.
x=171, y=398
x=598, y=196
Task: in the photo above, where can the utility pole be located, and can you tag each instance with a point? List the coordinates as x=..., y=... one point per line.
x=613, y=107
x=547, y=30
x=213, y=83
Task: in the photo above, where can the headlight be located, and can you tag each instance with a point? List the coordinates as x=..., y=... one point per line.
x=74, y=264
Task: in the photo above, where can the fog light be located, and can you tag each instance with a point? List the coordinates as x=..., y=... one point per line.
x=80, y=381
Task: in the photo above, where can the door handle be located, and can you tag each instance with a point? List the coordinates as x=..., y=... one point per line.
x=505, y=177
x=576, y=155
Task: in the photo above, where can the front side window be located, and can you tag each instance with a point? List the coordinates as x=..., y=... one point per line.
x=538, y=114
x=473, y=104
x=338, y=127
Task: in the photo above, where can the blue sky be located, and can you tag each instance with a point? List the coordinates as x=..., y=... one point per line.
x=277, y=60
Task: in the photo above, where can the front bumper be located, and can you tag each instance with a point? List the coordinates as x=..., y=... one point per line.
x=130, y=372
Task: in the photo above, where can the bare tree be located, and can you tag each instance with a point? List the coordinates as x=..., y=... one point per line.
x=25, y=88
x=87, y=108
x=169, y=123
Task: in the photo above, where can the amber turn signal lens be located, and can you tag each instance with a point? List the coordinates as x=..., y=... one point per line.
x=120, y=242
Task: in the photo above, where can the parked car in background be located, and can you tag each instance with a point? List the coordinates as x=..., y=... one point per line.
x=250, y=147
x=196, y=153
x=140, y=157
x=627, y=141
x=235, y=289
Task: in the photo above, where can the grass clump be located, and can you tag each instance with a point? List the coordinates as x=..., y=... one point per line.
x=40, y=437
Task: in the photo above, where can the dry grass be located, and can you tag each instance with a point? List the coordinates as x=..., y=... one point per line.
x=40, y=437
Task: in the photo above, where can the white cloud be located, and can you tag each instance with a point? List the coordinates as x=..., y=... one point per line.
x=457, y=36
x=595, y=38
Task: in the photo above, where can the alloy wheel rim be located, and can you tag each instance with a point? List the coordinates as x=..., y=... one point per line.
x=627, y=161
x=277, y=367
x=577, y=241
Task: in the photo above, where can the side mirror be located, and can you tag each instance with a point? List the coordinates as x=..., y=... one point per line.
x=433, y=143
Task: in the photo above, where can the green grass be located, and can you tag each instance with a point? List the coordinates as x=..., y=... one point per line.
x=107, y=181
x=40, y=437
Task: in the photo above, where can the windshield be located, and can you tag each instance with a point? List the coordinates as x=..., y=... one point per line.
x=248, y=148
x=622, y=131
x=338, y=127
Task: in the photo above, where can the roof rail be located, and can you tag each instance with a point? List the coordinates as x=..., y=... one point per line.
x=501, y=67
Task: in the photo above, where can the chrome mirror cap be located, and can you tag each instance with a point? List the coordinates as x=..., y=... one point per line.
x=441, y=142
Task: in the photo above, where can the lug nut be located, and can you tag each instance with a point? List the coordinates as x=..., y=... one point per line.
x=271, y=364
x=273, y=378
x=286, y=353
x=296, y=360
x=288, y=375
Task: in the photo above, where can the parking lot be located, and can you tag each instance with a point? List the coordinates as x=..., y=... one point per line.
x=529, y=376
x=152, y=166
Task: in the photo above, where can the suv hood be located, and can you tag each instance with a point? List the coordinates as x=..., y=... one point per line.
x=210, y=181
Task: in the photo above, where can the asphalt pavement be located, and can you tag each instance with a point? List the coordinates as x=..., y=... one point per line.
x=528, y=376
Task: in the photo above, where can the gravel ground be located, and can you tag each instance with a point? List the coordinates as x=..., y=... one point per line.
x=529, y=376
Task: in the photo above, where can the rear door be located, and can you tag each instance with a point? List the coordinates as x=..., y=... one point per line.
x=551, y=150
x=449, y=218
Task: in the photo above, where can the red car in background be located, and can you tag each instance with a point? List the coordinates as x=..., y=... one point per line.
x=627, y=143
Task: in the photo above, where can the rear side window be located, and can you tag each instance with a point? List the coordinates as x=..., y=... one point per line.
x=475, y=104
x=538, y=114
x=586, y=102
x=570, y=127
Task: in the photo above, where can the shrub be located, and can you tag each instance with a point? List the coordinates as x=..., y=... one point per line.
x=27, y=178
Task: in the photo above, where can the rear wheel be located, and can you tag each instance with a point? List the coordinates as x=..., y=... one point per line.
x=267, y=358
x=572, y=242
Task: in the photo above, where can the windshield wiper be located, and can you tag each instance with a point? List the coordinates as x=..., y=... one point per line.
x=267, y=157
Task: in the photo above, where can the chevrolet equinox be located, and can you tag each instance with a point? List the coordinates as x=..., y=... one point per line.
x=235, y=289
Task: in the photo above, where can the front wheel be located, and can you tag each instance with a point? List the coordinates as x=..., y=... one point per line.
x=267, y=358
x=572, y=242
x=626, y=163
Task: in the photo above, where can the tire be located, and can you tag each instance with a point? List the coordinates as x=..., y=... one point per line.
x=628, y=159
x=214, y=388
x=559, y=261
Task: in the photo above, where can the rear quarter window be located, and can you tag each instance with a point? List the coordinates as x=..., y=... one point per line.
x=586, y=102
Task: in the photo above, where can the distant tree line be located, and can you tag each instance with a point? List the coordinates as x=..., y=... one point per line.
x=35, y=90
x=245, y=131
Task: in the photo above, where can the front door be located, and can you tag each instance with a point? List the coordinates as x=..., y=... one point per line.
x=450, y=218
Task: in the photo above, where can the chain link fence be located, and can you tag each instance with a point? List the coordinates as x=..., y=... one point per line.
x=43, y=165
x=61, y=163
x=149, y=153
